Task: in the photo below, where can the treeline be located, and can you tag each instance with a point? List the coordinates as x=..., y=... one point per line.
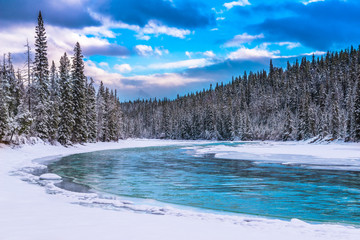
x=318, y=98
x=56, y=104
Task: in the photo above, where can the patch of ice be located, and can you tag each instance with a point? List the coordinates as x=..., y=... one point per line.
x=338, y=155
x=50, y=176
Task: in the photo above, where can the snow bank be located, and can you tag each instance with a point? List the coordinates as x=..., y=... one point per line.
x=343, y=156
x=27, y=212
x=49, y=176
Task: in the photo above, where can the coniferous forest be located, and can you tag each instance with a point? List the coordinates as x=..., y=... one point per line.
x=55, y=104
x=317, y=98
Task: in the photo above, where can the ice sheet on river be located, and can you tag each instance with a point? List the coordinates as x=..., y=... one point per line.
x=342, y=156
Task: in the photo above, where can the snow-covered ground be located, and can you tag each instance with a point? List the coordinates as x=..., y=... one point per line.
x=28, y=211
x=340, y=155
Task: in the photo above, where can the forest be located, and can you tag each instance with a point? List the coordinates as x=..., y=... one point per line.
x=55, y=104
x=317, y=98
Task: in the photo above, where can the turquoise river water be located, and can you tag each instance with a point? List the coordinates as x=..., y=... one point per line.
x=173, y=175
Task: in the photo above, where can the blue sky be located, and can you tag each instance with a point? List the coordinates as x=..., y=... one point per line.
x=160, y=48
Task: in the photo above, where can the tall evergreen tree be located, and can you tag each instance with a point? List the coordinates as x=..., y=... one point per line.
x=335, y=120
x=106, y=117
x=28, y=64
x=288, y=127
x=91, y=112
x=54, y=103
x=357, y=112
x=66, y=106
x=100, y=112
x=79, y=96
x=4, y=116
x=11, y=88
x=41, y=78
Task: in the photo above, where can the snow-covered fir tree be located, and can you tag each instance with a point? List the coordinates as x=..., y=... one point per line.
x=100, y=112
x=54, y=103
x=66, y=105
x=357, y=112
x=4, y=114
x=91, y=111
x=41, y=82
x=79, y=96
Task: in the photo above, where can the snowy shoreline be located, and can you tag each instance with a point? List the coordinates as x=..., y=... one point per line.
x=30, y=213
x=340, y=155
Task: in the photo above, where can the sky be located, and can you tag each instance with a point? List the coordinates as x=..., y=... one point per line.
x=161, y=48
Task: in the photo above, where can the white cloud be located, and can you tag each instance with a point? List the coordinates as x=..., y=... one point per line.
x=60, y=40
x=240, y=39
x=214, y=29
x=191, y=63
x=151, y=28
x=10, y=40
x=311, y=1
x=142, y=37
x=160, y=51
x=220, y=18
x=104, y=64
x=71, y=2
x=139, y=81
x=240, y=3
x=209, y=54
x=188, y=54
x=99, y=74
x=289, y=45
x=67, y=3
x=145, y=50
x=217, y=12
x=123, y=68
x=156, y=28
x=101, y=31
x=247, y=53
x=314, y=53
x=163, y=80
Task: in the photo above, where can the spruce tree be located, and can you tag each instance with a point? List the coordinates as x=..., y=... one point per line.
x=12, y=88
x=54, y=103
x=41, y=78
x=23, y=120
x=117, y=118
x=4, y=116
x=112, y=117
x=288, y=127
x=166, y=121
x=335, y=120
x=357, y=112
x=66, y=106
x=28, y=64
x=100, y=112
x=79, y=98
x=91, y=111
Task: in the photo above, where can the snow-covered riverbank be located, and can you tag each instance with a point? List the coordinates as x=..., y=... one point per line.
x=342, y=156
x=28, y=212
